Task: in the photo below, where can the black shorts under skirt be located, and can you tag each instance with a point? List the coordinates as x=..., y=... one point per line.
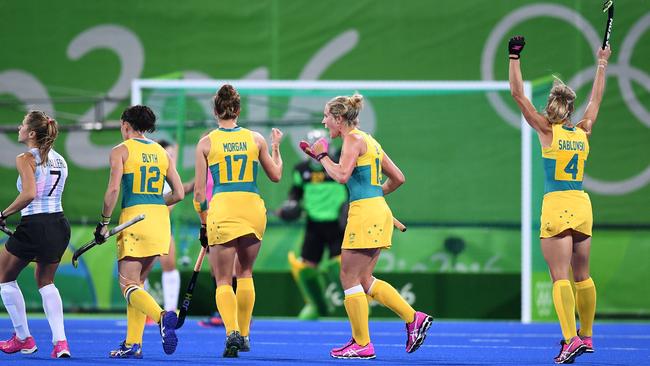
x=320, y=235
x=40, y=238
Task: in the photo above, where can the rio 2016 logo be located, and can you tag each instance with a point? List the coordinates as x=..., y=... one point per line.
x=621, y=69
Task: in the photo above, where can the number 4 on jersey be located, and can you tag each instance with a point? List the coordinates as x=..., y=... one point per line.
x=572, y=166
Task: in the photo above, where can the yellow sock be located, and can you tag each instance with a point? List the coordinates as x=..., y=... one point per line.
x=227, y=306
x=586, y=304
x=142, y=301
x=135, y=321
x=369, y=299
x=385, y=294
x=356, y=306
x=565, y=307
x=245, y=303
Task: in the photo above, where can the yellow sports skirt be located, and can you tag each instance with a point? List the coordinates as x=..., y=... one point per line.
x=370, y=224
x=562, y=210
x=149, y=237
x=235, y=214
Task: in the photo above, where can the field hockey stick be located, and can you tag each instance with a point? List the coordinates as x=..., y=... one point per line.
x=187, y=299
x=608, y=7
x=401, y=227
x=7, y=231
x=86, y=247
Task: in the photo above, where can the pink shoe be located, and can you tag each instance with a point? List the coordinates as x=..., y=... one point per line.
x=14, y=345
x=588, y=342
x=353, y=350
x=61, y=350
x=571, y=350
x=416, y=331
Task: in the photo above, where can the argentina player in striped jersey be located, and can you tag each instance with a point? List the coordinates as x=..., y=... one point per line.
x=41, y=236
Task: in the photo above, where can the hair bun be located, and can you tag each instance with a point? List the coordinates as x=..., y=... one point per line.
x=227, y=91
x=563, y=91
x=356, y=101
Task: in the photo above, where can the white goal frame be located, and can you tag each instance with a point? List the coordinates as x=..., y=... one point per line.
x=138, y=85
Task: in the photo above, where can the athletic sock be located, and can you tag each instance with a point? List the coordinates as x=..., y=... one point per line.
x=245, y=302
x=586, y=304
x=14, y=302
x=135, y=322
x=227, y=306
x=53, y=307
x=310, y=283
x=356, y=306
x=565, y=308
x=385, y=294
x=171, y=285
x=142, y=301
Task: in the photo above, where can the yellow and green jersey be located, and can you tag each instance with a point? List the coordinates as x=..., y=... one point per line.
x=366, y=178
x=144, y=173
x=233, y=160
x=564, y=160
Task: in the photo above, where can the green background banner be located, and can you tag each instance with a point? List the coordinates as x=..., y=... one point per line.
x=460, y=152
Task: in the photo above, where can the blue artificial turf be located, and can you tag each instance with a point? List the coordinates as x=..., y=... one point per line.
x=295, y=342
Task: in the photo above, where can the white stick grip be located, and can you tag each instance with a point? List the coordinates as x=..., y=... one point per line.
x=123, y=226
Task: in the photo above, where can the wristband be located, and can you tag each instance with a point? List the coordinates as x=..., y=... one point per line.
x=514, y=57
x=200, y=207
x=2, y=215
x=105, y=219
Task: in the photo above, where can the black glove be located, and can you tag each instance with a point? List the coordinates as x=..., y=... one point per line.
x=515, y=46
x=203, y=236
x=290, y=210
x=101, y=230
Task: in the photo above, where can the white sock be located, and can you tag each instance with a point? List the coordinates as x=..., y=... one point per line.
x=14, y=302
x=354, y=290
x=53, y=311
x=171, y=284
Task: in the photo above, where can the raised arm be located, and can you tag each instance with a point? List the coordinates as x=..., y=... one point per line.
x=597, y=90
x=537, y=121
x=353, y=146
x=271, y=163
x=395, y=176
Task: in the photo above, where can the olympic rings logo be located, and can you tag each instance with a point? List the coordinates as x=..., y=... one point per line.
x=622, y=69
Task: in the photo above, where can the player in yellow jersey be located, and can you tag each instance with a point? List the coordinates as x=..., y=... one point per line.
x=235, y=222
x=369, y=226
x=566, y=220
x=141, y=167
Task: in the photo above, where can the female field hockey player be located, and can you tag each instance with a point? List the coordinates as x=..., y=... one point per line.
x=235, y=221
x=566, y=218
x=41, y=236
x=141, y=166
x=369, y=226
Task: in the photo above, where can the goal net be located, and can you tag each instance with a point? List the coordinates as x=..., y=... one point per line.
x=469, y=173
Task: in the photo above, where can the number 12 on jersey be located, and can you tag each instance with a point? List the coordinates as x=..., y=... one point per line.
x=150, y=180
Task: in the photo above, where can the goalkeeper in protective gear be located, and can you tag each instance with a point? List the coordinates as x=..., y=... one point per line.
x=325, y=204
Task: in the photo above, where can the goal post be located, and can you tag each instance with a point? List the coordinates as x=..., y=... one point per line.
x=282, y=90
